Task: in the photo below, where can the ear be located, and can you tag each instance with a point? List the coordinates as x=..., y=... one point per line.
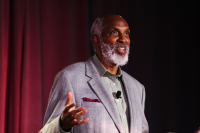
x=96, y=41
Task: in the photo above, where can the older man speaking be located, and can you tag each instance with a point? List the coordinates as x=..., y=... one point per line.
x=96, y=96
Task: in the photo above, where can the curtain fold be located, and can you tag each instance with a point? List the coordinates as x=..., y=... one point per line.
x=4, y=33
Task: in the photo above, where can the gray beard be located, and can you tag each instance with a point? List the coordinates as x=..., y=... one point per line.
x=112, y=58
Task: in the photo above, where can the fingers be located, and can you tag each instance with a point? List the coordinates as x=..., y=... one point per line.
x=77, y=113
x=68, y=107
x=69, y=118
x=80, y=122
x=74, y=114
x=69, y=98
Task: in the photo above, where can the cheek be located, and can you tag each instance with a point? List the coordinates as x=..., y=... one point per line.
x=128, y=42
x=111, y=41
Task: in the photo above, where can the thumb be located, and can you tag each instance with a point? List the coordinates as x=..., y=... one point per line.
x=69, y=98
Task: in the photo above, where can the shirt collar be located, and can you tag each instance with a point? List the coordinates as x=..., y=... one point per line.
x=102, y=70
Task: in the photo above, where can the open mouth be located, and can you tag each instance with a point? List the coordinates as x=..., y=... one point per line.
x=121, y=49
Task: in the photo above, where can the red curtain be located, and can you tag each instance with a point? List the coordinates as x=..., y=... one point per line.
x=21, y=84
x=38, y=39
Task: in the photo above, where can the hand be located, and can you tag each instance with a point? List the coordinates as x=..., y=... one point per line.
x=69, y=116
x=198, y=131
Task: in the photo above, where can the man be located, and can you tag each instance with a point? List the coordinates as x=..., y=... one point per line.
x=96, y=95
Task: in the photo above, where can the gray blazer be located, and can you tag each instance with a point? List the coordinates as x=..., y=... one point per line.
x=83, y=80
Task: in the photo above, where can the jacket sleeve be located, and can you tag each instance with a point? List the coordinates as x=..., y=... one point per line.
x=56, y=102
x=145, y=127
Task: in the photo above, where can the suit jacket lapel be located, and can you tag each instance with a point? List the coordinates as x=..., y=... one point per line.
x=129, y=97
x=102, y=93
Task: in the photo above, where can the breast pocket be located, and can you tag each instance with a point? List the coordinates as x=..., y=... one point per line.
x=99, y=119
x=94, y=110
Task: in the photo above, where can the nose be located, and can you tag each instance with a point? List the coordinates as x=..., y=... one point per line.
x=122, y=39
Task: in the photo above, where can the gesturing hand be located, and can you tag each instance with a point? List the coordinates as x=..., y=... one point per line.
x=69, y=116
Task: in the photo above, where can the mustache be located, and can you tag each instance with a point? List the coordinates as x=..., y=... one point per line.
x=118, y=45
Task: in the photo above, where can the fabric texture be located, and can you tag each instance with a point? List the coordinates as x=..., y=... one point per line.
x=83, y=80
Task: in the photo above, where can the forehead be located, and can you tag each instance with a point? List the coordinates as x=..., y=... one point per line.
x=118, y=21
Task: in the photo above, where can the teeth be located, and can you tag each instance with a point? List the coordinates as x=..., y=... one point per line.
x=121, y=48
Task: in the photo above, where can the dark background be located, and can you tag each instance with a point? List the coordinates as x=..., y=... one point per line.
x=40, y=37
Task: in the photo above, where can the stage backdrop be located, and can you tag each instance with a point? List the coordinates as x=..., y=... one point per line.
x=40, y=37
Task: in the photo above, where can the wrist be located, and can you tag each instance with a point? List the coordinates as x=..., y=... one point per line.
x=62, y=126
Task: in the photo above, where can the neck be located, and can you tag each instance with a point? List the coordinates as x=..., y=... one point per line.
x=112, y=68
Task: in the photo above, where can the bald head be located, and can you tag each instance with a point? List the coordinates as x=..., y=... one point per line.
x=113, y=19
